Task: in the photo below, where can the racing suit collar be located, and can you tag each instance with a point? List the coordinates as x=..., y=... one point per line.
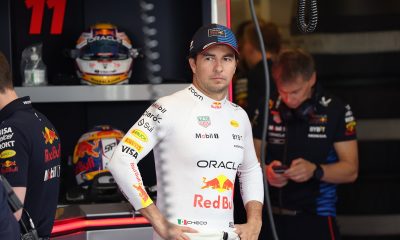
x=17, y=104
x=214, y=104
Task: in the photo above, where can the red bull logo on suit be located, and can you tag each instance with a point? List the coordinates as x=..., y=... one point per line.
x=221, y=184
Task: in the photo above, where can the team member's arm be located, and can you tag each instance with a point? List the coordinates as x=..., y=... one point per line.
x=346, y=168
x=251, y=187
x=346, y=147
x=251, y=229
x=20, y=192
x=15, y=166
x=343, y=171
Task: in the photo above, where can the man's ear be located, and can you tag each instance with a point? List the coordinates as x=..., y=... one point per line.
x=237, y=63
x=192, y=63
x=313, y=78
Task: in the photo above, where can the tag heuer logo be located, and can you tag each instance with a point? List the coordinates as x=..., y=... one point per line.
x=204, y=121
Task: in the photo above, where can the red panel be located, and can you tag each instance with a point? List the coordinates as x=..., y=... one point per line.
x=80, y=224
x=228, y=24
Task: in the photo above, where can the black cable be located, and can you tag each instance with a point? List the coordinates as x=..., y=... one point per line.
x=313, y=16
x=265, y=123
x=31, y=233
x=284, y=157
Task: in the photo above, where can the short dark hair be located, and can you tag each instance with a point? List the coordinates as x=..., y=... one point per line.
x=270, y=33
x=293, y=63
x=5, y=74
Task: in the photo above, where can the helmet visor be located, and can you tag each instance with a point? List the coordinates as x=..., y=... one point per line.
x=104, y=50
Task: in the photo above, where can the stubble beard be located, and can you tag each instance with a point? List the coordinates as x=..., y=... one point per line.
x=217, y=89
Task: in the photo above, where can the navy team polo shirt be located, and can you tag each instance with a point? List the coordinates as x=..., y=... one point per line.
x=30, y=153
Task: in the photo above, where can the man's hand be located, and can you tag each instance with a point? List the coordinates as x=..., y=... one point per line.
x=276, y=180
x=174, y=232
x=165, y=229
x=252, y=228
x=300, y=170
x=248, y=231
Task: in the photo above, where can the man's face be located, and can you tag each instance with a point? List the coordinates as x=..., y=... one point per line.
x=294, y=93
x=213, y=69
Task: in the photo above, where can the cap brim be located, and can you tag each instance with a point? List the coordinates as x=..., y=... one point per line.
x=219, y=43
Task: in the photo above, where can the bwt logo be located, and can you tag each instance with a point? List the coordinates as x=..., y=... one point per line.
x=237, y=137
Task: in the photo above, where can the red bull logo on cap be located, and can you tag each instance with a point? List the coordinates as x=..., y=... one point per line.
x=49, y=135
x=220, y=183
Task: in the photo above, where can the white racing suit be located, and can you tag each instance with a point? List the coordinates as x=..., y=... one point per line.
x=200, y=146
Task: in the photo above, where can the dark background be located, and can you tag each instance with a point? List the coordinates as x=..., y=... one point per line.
x=175, y=27
x=369, y=82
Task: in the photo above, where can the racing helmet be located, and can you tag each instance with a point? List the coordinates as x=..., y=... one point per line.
x=91, y=156
x=105, y=56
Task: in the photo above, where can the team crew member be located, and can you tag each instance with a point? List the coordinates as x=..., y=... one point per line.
x=312, y=134
x=29, y=154
x=251, y=54
x=201, y=141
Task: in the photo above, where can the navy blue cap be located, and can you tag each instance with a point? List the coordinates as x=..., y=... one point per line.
x=210, y=35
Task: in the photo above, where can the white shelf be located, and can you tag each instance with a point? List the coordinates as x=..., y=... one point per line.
x=138, y=92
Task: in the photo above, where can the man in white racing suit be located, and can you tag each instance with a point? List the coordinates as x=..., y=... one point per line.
x=201, y=143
